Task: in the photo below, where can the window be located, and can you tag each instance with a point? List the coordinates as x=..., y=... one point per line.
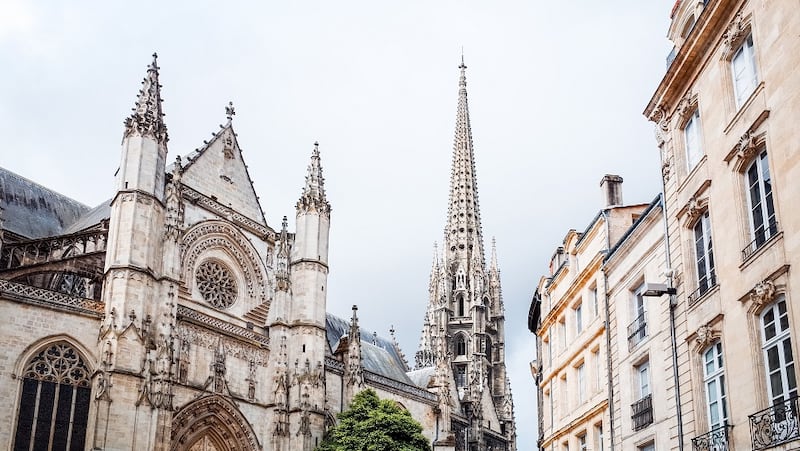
x=743, y=66
x=564, y=395
x=579, y=318
x=643, y=379
x=562, y=335
x=647, y=447
x=777, y=346
x=598, y=370
x=595, y=307
x=714, y=382
x=704, y=257
x=581, y=383
x=54, y=406
x=691, y=135
x=598, y=437
x=582, y=442
x=565, y=446
x=637, y=330
x=460, y=306
x=461, y=345
x=461, y=376
x=759, y=196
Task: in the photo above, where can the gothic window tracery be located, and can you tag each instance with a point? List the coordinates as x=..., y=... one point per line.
x=216, y=284
x=54, y=405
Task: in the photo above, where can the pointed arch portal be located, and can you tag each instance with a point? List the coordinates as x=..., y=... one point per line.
x=212, y=423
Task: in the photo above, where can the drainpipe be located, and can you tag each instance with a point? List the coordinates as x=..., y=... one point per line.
x=609, y=364
x=672, y=305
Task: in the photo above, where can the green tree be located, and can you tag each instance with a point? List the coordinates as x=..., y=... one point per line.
x=374, y=424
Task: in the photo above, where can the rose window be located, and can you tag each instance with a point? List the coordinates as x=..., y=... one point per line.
x=216, y=284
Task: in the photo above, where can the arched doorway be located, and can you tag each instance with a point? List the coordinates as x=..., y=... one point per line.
x=212, y=423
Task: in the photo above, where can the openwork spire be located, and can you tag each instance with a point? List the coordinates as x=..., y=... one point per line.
x=463, y=238
x=313, y=197
x=148, y=118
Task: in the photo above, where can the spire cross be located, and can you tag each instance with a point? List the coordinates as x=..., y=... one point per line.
x=154, y=64
x=230, y=112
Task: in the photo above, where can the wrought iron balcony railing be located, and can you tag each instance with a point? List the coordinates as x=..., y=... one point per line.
x=642, y=412
x=637, y=330
x=705, y=285
x=762, y=236
x=775, y=425
x=713, y=440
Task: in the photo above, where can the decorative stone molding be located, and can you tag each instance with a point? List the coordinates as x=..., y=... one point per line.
x=705, y=335
x=217, y=234
x=732, y=38
x=216, y=284
x=696, y=206
x=659, y=116
x=218, y=325
x=228, y=213
x=666, y=167
x=686, y=106
x=746, y=149
x=762, y=293
x=213, y=413
x=210, y=340
x=40, y=296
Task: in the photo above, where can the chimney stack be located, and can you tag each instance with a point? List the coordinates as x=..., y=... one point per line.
x=611, y=185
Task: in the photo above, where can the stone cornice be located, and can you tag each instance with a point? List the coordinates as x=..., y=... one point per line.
x=692, y=55
x=193, y=316
x=211, y=205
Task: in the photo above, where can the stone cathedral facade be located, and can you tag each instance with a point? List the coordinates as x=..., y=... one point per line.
x=173, y=317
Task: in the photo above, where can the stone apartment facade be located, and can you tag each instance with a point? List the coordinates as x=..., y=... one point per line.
x=570, y=317
x=726, y=115
x=173, y=317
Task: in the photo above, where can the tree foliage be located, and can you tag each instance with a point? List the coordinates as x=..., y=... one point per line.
x=374, y=424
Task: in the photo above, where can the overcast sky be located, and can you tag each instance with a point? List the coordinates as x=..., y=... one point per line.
x=556, y=91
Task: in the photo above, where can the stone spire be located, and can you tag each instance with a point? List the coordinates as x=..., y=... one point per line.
x=463, y=237
x=493, y=264
x=148, y=118
x=313, y=197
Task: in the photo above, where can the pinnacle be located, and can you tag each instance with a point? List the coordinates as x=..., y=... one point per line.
x=313, y=197
x=147, y=118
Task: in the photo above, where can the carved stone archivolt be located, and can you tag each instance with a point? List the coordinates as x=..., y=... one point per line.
x=220, y=235
x=213, y=416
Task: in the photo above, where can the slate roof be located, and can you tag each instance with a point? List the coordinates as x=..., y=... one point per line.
x=33, y=211
x=380, y=358
x=91, y=218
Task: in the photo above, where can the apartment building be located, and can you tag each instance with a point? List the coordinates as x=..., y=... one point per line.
x=569, y=315
x=726, y=115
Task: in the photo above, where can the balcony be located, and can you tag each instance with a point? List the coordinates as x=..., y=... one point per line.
x=775, y=425
x=714, y=440
x=642, y=412
x=637, y=330
x=705, y=285
x=762, y=236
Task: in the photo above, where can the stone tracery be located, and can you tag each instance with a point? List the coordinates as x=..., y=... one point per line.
x=216, y=284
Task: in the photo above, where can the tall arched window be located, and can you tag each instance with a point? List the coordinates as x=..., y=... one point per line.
x=461, y=345
x=54, y=406
x=460, y=306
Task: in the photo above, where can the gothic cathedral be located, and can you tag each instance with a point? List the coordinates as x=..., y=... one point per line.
x=173, y=317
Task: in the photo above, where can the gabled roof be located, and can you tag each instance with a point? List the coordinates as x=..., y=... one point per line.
x=33, y=211
x=218, y=169
x=381, y=357
x=91, y=218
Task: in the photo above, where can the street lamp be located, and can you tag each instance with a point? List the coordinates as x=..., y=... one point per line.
x=658, y=289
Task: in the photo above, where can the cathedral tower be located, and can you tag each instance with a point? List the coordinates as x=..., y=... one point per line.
x=140, y=284
x=463, y=335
